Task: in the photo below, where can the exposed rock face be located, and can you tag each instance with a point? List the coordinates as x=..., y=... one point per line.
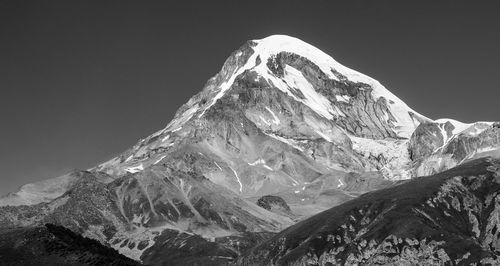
x=448, y=218
x=274, y=204
x=438, y=146
x=281, y=119
x=428, y=137
x=359, y=113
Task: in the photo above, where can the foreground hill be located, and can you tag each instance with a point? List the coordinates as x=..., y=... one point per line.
x=449, y=218
x=54, y=245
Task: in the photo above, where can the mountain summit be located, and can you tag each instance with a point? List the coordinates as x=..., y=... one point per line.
x=282, y=124
x=280, y=60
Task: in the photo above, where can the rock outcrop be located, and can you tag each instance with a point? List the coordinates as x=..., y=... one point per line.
x=437, y=146
x=274, y=204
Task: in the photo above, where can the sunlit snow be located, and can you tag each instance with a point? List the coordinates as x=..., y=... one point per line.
x=135, y=169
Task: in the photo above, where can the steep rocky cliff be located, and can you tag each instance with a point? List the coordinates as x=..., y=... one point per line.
x=440, y=145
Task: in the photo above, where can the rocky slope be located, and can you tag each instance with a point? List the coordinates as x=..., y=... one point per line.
x=445, y=143
x=450, y=218
x=280, y=119
x=133, y=213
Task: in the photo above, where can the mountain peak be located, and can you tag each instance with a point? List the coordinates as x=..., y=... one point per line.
x=341, y=97
x=263, y=54
x=275, y=44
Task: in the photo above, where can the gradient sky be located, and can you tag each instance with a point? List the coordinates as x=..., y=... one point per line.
x=81, y=81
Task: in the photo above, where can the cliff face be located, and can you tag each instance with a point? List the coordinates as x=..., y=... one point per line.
x=451, y=217
x=437, y=146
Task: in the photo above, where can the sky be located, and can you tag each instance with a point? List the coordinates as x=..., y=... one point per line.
x=82, y=81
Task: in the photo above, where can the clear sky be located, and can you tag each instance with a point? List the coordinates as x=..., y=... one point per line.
x=81, y=81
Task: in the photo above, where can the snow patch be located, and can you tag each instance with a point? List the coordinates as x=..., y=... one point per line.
x=459, y=126
x=342, y=98
x=487, y=149
x=135, y=169
x=259, y=161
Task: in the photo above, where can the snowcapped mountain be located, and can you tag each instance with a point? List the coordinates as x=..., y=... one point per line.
x=281, y=118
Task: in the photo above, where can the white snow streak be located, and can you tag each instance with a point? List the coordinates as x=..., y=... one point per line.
x=323, y=136
x=267, y=167
x=238, y=179
x=261, y=161
x=290, y=142
x=317, y=102
x=487, y=149
x=276, y=119
x=218, y=166
x=161, y=158
x=265, y=121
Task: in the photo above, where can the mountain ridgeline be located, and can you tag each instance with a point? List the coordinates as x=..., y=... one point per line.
x=285, y=157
